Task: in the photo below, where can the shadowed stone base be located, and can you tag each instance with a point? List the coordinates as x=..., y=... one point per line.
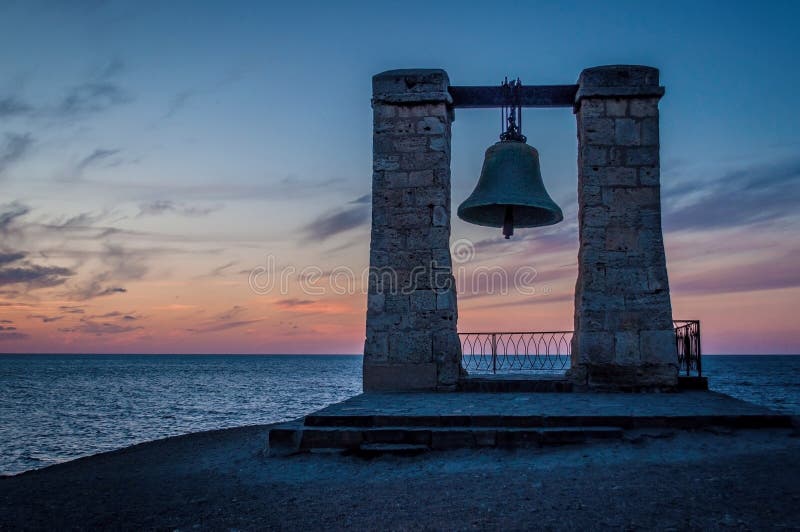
x=410, y=422
x=399, y=377
x=615, y=377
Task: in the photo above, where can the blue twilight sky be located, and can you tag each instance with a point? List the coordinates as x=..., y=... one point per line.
x=152, y=153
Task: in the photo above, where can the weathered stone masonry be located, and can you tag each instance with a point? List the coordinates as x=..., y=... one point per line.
x=411, y=337
x=624, y=337
x=623, y=317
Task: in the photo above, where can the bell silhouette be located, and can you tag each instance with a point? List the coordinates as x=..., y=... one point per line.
x=510, y=192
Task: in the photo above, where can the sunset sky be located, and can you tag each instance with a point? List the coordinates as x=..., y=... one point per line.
x=154, y=155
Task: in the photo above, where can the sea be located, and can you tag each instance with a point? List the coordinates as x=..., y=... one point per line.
x=55, y=408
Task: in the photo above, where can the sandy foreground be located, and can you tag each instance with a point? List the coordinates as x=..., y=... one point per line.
x=221, y=480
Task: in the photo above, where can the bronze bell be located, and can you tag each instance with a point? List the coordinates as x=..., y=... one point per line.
x=510, y=191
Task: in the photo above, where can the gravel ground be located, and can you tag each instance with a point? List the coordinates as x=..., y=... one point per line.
x=222, y=480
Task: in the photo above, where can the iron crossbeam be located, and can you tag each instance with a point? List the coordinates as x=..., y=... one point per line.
x=530, y=96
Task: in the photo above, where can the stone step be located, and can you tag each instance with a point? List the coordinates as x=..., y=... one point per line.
x=397, y=449
x=501, y=384
x=537, y=421
x=293, y=438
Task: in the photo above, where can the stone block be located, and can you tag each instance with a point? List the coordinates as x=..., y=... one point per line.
x=376, y=346
x=597, y=346
x=439, y=144
x=644, y=107
x=410, y=144
x=598, y=130
x=619, y=76
x=616, y=107
x=658, y=347
x=627, y=132
x=430, y=196
x=650, y=134
x=399, y=377
x=411, y=85
x=386, y=162
x=617, y=176
x=431, y=125
x=421, y=178
x=626, y=347
x=624, y=238
x=649, y=176
x=446, y=299
x=595, y=216
x=397, y=303
x=413, y=347
x=421, y=161
x=593, y=155
x=642, y=156
x=423, y=300
x=589, y=195
x=590, y=108
x=376, y=302
x=439, y=217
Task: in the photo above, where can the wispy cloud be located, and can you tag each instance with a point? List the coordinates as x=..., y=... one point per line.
x=14, y=269
x=159, y=207
x=773, y=273
x=338, y=221
x=14, y=148
x=13, y=256
x=92, y=97
x=753, y=194
x=96, y=328
x=45, y=318
x=98, y=92
x=294, y=303
x=223, y=326
x=229, y=319
x=12, y=106
x=94, y=288
x=96, y=157
x=231, y=313
x=178, y=102
x=10, y=212
x=10, y=333
x=220, y=270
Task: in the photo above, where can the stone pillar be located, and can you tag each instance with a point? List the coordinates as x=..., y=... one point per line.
x=624, y=337
x=411, y=337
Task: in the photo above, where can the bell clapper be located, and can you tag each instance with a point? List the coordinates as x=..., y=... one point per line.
x=508, y=222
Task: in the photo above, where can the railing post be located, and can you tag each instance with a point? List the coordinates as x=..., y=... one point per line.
x=687, y=349
x=494, y=353
x=699, y=352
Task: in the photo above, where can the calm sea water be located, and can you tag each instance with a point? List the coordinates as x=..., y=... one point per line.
x=59, y=407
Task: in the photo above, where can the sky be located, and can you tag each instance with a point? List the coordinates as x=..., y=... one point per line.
x=194, y=177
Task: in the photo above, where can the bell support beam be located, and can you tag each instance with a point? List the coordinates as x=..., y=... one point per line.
x=530, y=96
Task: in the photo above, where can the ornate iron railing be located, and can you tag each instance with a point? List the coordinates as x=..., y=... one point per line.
x=549, y=352
x=687, y=339
x=509, y=352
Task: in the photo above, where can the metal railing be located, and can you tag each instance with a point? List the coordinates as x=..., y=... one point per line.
x=549, y=352
x=687, y=340
x=508, y=352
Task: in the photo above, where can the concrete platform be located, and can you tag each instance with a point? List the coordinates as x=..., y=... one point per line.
x=404, y=421
x=513, y=383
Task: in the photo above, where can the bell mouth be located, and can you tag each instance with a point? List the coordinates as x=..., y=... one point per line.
x=493, y=215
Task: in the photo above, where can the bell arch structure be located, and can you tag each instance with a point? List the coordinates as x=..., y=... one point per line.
x=624, y=338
